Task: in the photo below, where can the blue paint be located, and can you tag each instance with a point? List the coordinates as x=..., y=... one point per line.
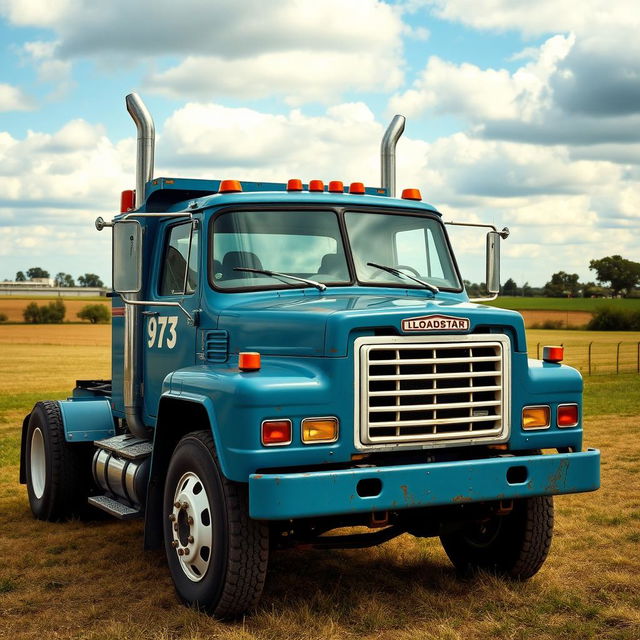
x=86, y=420
x=285, y=496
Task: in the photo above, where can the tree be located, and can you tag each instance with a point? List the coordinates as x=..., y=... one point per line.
x=90, y=280
x=53, y=313
x=64, y=280
x=562, y=285
x=510, y=288
x=526, y=290
x=95, y=314
x=622, y=274
x=20, y=277
x=37, y=272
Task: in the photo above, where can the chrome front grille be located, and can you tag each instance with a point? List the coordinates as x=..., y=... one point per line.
x=433, y=389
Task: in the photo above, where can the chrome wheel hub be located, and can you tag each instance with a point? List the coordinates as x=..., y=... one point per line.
x=38, y=464
x=191, y=526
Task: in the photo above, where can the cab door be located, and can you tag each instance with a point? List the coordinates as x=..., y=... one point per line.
x=169, y=337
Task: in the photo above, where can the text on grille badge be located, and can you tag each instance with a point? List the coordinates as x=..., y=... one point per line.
x=436, y=323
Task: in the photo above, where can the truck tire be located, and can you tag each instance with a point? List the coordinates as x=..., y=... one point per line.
x=56, y=484
x=514, y=545
x=216, y=553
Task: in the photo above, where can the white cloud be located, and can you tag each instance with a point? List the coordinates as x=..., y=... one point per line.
x=14, y=99
x=303, y=49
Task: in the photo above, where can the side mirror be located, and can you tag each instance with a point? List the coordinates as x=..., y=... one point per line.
x=493, y=262
x=127, y=256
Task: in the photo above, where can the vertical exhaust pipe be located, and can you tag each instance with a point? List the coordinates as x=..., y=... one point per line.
x=132, y=390
x=146, y=144
x=388, y=154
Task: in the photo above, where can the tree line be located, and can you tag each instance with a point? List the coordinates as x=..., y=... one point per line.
x=61, y=279
x=615, y=276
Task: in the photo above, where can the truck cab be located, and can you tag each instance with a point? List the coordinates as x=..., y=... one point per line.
x=290, y=359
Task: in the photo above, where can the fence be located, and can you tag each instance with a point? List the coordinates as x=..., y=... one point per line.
x=593, y=358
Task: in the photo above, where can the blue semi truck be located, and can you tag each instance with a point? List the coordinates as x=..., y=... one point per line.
x=290, y=359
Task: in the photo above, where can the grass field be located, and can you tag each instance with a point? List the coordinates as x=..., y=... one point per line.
x=13, y=307
x=91, y=579
x=565, y=304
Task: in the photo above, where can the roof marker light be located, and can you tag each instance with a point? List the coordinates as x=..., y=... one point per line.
x=294, y=185
x=127, y=200
x=356, y=187
x=316, y=185
x=553, y=354
x=411, y=194
x=230, y=186
x=336, y=186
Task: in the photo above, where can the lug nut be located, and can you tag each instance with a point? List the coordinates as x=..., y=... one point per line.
x=190, y=539
x=174, y=544
x=180, y=552
x=185, y=505
x=172, y=517
x=176, y=504
x=190, y=520
x=186, y=551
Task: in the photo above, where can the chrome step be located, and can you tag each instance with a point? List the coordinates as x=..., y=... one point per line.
x=114, y=508
x=126, y=446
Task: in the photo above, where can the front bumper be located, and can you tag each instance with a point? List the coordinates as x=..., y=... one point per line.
x=284, y=496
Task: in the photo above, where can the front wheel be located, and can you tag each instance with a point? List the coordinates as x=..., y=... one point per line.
x=514, y=545
x=217, y=555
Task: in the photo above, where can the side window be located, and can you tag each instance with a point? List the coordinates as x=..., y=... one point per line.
x=174, y=264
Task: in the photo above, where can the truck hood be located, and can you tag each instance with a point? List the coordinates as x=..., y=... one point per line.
x=325, y=325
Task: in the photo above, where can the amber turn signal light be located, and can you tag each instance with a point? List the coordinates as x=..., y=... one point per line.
x=274, y=432
x=249, y=361
x=567, y=415
x=538, y=417
x=319, y=430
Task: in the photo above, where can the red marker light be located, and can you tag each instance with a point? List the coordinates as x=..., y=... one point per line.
x=411, y=194
x=230, y=186
x=249, y=361
x=335, y=186
x=553, y=354
x=294, y=185
x=127, y=200
x=567, y=415
x=276, y=432
x=316, y=185
x=356, y=187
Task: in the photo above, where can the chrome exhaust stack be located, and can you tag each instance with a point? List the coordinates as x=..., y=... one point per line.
x=132, y=390
x=146, y=144
x=388, y=154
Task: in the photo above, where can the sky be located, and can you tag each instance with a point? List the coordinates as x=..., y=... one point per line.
x=520, y=113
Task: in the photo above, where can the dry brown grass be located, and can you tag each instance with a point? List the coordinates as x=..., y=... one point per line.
x=91, y=579
x=566, y=319
x=14, y=307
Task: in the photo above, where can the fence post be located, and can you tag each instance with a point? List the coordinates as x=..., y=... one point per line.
x=538, y=350
x=618, y=358
x=590, y=345
x=638, y=357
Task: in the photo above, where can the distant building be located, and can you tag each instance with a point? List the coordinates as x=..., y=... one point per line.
x=45, y=287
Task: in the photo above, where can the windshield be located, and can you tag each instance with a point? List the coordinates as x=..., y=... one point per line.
x=413, y=244
x=308, y=244
x=304, y=244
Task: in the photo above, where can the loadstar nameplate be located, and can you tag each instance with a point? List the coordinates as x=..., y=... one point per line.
x=436, y=323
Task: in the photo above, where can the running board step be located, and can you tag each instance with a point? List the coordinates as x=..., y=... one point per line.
x=114, y=508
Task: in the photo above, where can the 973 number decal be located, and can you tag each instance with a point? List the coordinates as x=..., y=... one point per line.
x=162, y=328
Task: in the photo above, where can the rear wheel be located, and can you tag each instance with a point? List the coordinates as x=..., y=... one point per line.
x=56, y=482
x=216, y=553
x=514, y=545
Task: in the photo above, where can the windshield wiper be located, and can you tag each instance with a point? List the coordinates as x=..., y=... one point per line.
x=399, y=273
x=277, y=274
